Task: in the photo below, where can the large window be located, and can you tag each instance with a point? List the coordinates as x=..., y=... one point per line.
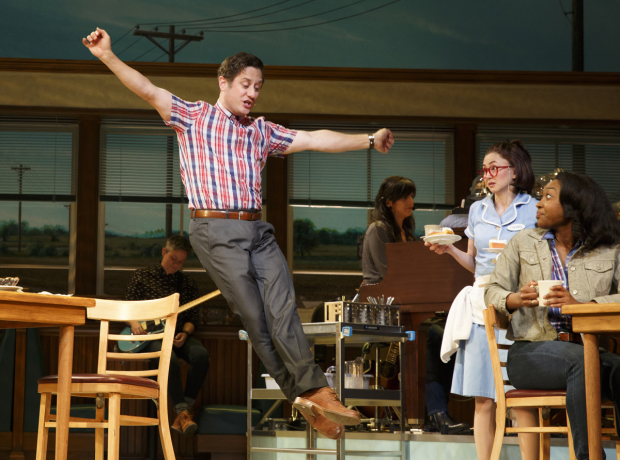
x=595, y=152
x=37, y=196
x=331, y=194
x=142, y=197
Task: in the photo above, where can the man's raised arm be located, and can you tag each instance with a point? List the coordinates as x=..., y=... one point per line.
x=331, y=141
x=99, y=44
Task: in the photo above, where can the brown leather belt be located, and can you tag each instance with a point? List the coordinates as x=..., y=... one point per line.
x=570, y=337
x=236, y=215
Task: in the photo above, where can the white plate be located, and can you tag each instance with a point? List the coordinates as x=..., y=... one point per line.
x=494, y=250
x=10, y=288
x=442, y=239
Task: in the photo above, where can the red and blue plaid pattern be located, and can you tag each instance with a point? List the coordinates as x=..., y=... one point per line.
x=559, y=321
x=221, y=156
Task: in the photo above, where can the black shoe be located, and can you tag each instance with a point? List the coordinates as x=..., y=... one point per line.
x=442, y=422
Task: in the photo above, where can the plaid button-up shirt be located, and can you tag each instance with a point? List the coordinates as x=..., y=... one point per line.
x=559, y=321
x=221, y=156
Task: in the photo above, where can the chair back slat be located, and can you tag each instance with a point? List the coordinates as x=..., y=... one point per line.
x=141, y=310
x=107, y=310
x=135, y=338
x=133, y=356
x=150, y=373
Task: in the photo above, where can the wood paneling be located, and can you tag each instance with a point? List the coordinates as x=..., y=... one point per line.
x=464, y=159
x=87, y=205
x=165, y=69
x=277, y=199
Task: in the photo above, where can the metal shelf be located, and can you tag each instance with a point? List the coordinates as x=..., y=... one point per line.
x=340, y=335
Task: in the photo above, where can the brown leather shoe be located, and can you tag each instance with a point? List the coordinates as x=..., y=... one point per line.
x=324, y=401
x=184, y=424
x=325, y=426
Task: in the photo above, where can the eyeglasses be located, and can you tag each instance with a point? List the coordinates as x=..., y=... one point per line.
x=492, y=171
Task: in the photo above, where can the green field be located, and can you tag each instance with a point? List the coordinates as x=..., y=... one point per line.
x=332, y=257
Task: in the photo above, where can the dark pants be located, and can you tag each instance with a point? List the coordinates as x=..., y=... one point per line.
x=246, y=264
x=194, y=353
x=438, y=373
x=557, y=366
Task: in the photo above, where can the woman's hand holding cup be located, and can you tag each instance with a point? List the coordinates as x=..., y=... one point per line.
x=558, y=296
x=528, y=295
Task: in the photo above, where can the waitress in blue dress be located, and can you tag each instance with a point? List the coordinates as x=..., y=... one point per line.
x=507, y=172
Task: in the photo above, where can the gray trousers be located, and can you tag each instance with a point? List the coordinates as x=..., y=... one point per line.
x=246, y=264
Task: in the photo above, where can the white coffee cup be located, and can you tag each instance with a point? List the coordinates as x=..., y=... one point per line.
x=431, y=228
x=543, y=289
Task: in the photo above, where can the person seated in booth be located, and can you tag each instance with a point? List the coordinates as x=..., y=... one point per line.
x=577, y=242
x=162, y=280
x=394, y=222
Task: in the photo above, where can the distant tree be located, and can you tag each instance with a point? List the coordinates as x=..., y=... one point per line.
x=50, y=251
x=4, y=249
x=327, y=235
x=304, y=237
x=36, y=249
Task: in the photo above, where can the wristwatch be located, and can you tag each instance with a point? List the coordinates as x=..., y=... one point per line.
x=371, y=141
x=185, y=332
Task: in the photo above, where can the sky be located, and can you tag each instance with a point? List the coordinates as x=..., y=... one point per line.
x=450, y=34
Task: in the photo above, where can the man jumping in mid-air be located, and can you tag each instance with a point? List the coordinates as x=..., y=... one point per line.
x=222, y=152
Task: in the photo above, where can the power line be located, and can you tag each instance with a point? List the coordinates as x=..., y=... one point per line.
x=306, y=26
x=265, y=14
x=286, y=20
x=221, y=17
x=150, y=49
x=566, y=13
x=136, y=41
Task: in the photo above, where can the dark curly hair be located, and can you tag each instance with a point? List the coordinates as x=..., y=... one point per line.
x=515, y=153
x=394, y=188
x=586, y=205
x=234, y=65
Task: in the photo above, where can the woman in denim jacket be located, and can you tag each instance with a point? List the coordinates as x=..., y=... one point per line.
x=577, y=243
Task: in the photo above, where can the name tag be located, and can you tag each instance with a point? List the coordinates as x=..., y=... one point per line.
x=516, y=227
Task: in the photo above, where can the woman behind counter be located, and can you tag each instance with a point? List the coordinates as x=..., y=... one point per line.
x=394, y=222
x=577, y=242
x=507, y=171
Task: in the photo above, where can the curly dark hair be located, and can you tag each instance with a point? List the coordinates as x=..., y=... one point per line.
x=394, y=188
x=234, y=65
x=515, y=153
x=586, y=205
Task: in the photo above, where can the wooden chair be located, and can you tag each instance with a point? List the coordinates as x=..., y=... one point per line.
x=116, y=385
x=541, y=399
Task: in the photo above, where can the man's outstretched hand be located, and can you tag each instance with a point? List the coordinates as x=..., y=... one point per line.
x=98, y=42
x=384, y=140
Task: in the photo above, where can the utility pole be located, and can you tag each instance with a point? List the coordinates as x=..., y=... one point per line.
x=579, y=150
x=578, y=36
x=171, y=51
x=20, y=171
x=171, y=36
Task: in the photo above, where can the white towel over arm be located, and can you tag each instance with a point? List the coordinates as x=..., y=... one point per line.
x=458, y=324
